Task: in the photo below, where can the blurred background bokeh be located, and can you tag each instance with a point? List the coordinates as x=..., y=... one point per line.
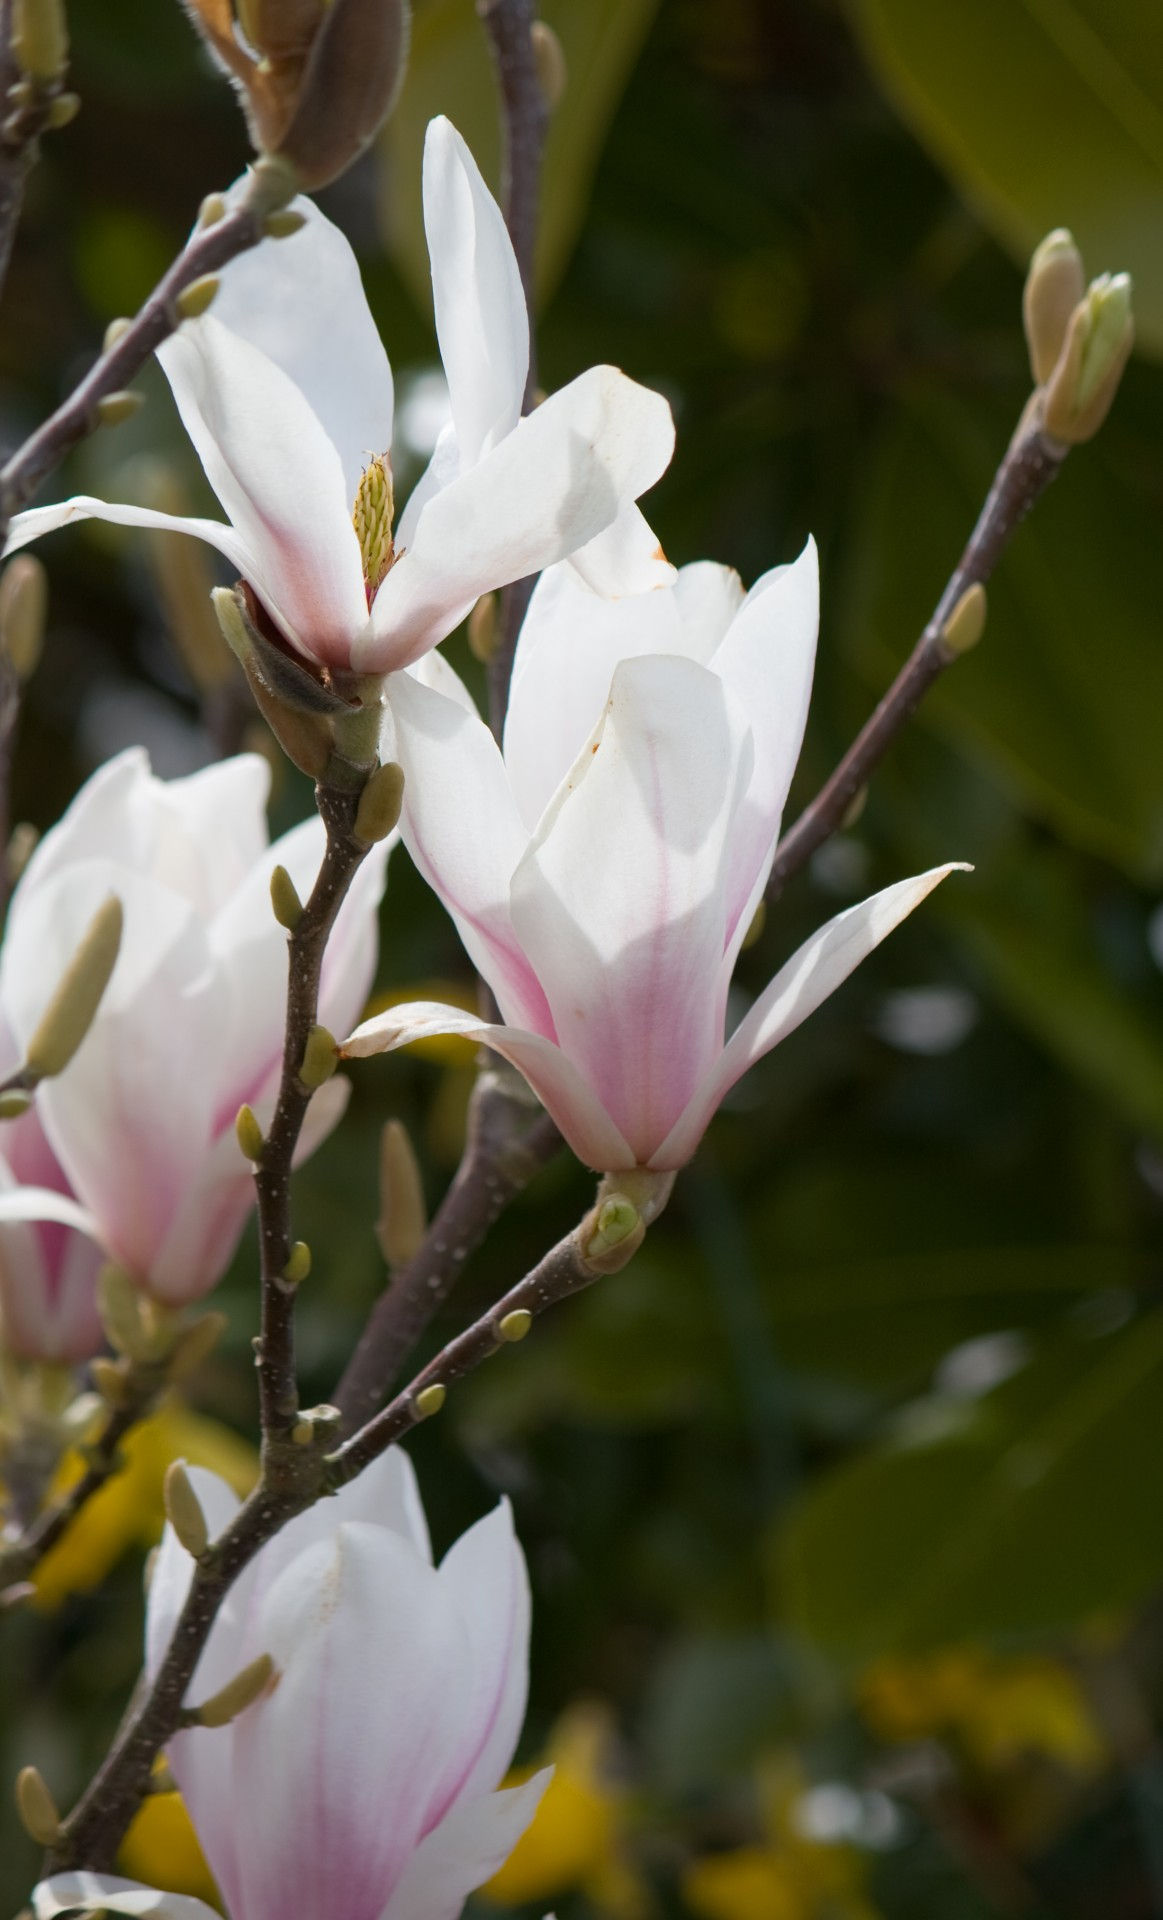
x=843, y=1505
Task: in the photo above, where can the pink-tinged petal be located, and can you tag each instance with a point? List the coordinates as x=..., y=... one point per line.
x=107, y=1892
x=486, y=1572
x=766, y=658
x=571, y=641
x=620, y=901
x=280, y=479
x=205, y=833
x=820, y=966
x=555, y=1080
x=172, y=1571
x=626, y=558
x=41, y=1203
x=463, y=832
x=301, y=302
x=481, y=322
x=49, y=1261
x=464, y=1851
x=562, y=476
x=30, y=526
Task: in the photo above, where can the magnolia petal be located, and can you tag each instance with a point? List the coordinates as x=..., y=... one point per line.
x=554, y=1079
x=93, y=1892
x=461, y=828
x=620, y=901
x=301, y=302
x=481, y=321
x=83, y=506
x=562, y=476
x=570, y=642
x=464, y=1851
x=485, y=1570
x=280, y=479
x=820, y=966
x=626, y=558
x=41, y=1203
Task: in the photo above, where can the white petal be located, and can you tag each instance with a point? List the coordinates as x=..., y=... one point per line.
x=41, y=1203
x=563, y=474
x=554, y=1079
x=202, y=835
x=626, y=558
x=570, y=642
x=481, y=322
x=464, y=1851
x=820, y=966
x=620, y=902
x=485, y=1569
x=461, y=828
x=92, y=1892
x=301, y=302
x=280, y=479
x=40, y=520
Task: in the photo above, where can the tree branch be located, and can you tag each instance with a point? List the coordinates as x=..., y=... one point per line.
x=502, y=1153
x=1031, y=461
x=28, y=108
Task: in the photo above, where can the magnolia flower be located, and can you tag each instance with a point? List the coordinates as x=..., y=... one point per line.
x=362, y=1783
x=285, y=390
x=603, y=872
x=191, y=1024
x=48, y=1268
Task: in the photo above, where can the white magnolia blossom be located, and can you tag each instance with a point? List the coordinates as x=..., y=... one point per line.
x=286, y=392
x=603, y=872
x=48, y=1268
x=140, y=1125
x=362, y=1784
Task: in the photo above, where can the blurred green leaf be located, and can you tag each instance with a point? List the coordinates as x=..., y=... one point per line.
x=1028, y=1510
x=1047, y=113
x=1062, y=698
x=450, y=71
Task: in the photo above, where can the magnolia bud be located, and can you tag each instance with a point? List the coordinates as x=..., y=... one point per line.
x=611, y=1234
x=1054, y=286
x=69, y=1014
x=966, y=624
x=197, y=297
x=184, y=1510
x=298, y=1264
x=403, y=1219
x=115, y=408
x=40, y=38
x=549, y=59
x=238, y=1694
x=349, y=85
x=320, y=1057
x=23, y=605
x=285, y=901
x=514, y=1326
x=1090, y=366
x=37, y=1808
x=429, y=1400
x=249, y=1134
x=378, y=812
x=293, y=703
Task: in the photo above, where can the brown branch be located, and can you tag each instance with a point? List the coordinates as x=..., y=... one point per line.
x=502, y=1153
x=28, y=107
x=1031, y=461
x=525, y=116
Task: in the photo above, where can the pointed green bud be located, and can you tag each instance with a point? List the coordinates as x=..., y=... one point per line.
x=64, y=110
x=1054, y=286
x=378, y=813
x=115, y=331
x=514, y=1326
x=298, y=1264
x=1080, y=392
x=117, y=407
x=288, y=908
x=429, y=1400
x=14, y=1103
x=23, y=606
x=37, y=1808
x=549, y=58
x=320, y=1057
x=184, y=1510
x=197, y=297
x=238, y=1694
x=966, y=624
x=69, y=1014
x=212, y=210
x=403, y=1219
x=294, y=705
x=249, y=1135
x=611, y=1234
x=40, y=38
x=281, y=225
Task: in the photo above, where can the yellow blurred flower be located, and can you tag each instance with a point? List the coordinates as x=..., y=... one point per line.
x=790, y=1876
x=161, y=1849
x=998, y=1710
x=450, y=1049
x=128, y=1510
x=575, y=1838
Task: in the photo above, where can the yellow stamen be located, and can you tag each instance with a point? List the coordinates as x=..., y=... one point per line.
x=372, y=520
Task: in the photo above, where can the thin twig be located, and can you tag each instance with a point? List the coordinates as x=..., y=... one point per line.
x=26, y=111
x=1031, y=461
x=525, y=117
x=502, y=1153
x=275, y=1352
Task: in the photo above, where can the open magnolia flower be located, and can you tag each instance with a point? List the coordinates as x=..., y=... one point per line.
x=141, y=1122
x=48, y=1269
x=362, y=1784
x=604, y=872
x=285, y=390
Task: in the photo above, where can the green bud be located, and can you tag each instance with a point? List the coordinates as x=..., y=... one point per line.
x=966, y=624
x=14, y=1103
x=403, y=1219
x=378, y=812
x=288, y=908
x=197, y=297
x=320, y=1057
x=69, y=1014
x=115, y=331
x=1054, y=286
x=64, y=110
x=1079, y=393
x=37, y=1808
x=550, y=62
x=298, y=1263
x=118, y=407
x=429, y=1400
x=238, y=1694
x=282, y=224
x=40, y=38
x=23, y=606
x=212, y=210
x=249, y=1135
x=515, y=1325
x=184, y=1510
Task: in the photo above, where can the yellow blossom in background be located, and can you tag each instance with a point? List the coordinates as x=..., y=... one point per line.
x=449, y=1049
x=128, y=1510
x=574, y=1842
x=998, y=1710
x=161, y=1849
x=789, y=1876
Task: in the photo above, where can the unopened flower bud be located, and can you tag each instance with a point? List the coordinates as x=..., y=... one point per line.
x=966, y=624
x=40, y=38
x=320, y=1057
x=550, y=62
x=282, y=224
x=63, y=110
x=37, y=1808
x=23, y=605
x=14, y=1103
x=197, y=297
x=611, y=1234
x=238, y=1694
x=295, y=705
x=429, y=1400
x=285, y=901
x=184, y=1510
x=298, y=1264
x=1080, y=391
x=69, y=1014
x=212, y=210
x=378, y=812
x=115, y=331
x=403, y=1219
x=249, y=1134
x=115, y=408
x=1054, y=286
x=514, y=1326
